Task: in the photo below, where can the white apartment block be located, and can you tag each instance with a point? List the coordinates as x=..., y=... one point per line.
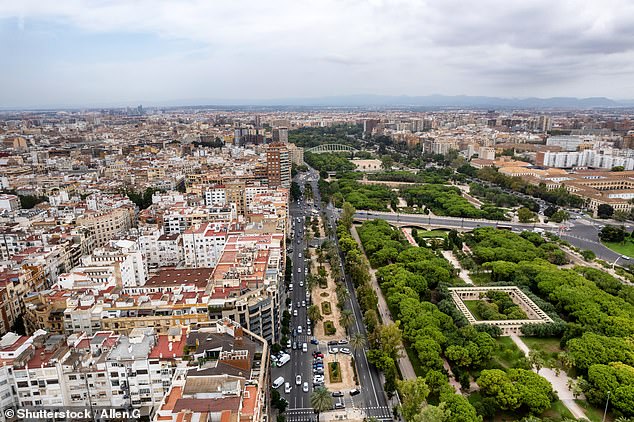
x=203, y=244
x=215, y=196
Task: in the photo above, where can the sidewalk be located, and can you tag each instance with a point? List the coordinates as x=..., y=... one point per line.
x=404, y=364
x=559, y=382
x=463, y=274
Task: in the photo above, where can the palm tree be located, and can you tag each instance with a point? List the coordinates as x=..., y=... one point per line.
x=320, y=400
x=357, y=341
x=346, y=319
x=312, y=281
x=314, y=314
x=342, y=294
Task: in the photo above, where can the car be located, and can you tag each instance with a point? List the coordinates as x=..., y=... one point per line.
x=333, y=350
x=318, y=372
x=299, y=255
x=299, y=304
x=294, y=332
x=307, y=295
x=304, y=347
x=290, y=287
x=273, y=358
x=308, y=331
x=299, y=329
x=301, y=284
x=298, y=379
x=333, y=343
x=303, y=303
x=308, y=322
x=314, y=341
x=288, y=344
x=627, y=258
x=354, y=392
x=305, y=387
x=295, y=312
x=340, y=405
x=337, y=394
x=287, y=387
x=343, y=341
x=317, y=354
x=345, y=350
x=299, y=270
x=318, y=378
x=318, y=365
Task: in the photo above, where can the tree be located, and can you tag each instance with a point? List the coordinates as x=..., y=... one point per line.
x=390, y=339
x=605, y=211
x=314, y=314
x=550, y=210
x=611, y=233
x=617, y=168
x=347, y=215
x=413, y=394
x=526, y=216
x=320, y=400
x=312, y=281
x=620, y=215
x=433, y=414
x=346, y=319
x=357, y=341
x=560, y=216
x=537, y=359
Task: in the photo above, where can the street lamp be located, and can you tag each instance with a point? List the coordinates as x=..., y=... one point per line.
x=615, y=261
x=606, y=407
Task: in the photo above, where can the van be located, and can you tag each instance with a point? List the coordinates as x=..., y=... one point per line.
x=278, y=382
x=283, y=360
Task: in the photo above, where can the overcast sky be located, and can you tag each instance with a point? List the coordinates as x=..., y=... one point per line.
x=108, y=52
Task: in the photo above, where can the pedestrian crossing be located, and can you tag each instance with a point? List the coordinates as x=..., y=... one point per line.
x=382, y=413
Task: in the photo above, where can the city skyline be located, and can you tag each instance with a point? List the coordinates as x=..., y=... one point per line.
x=77, y=54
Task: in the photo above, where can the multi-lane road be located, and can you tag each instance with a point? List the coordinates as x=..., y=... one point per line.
x=582, y=232
x=371, y=400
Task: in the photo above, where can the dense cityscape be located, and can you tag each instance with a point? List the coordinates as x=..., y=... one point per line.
x=209, y=264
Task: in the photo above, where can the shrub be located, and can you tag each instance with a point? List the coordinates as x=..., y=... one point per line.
x=329, y=328
x=326, y=308
x=334, y=372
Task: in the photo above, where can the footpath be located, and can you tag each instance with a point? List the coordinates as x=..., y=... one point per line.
x=559, y=382
x=404, y=364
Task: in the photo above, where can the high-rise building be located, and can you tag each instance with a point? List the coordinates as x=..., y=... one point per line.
x=280, y=134
x=278, y=165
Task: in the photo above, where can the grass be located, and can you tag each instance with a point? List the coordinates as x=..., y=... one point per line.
x=548, y=345
x=626, y=248
x=594, y=414
x=556, y=412
x=334, y=372
x=507, y=355
x=326, y=308
x=329, y=328
x=472, y=305
x=481, y=279
x=431, y=233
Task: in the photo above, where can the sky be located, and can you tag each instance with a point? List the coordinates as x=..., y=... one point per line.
x=123, y=52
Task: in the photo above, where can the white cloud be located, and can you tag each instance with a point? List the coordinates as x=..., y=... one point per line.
x=489, y=47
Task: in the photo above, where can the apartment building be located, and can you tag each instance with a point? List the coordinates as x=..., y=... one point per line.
x=203, y=244
x=106, y=225
x=278, y=165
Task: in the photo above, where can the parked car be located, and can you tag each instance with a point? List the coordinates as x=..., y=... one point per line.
x=345, y=350
x=298, y=380
x=354, y=392
x=337, y=394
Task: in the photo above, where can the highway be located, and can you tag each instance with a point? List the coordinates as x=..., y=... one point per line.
x=372, y=399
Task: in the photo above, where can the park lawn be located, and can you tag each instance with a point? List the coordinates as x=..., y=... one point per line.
x=594, y=414
x=626, y=248
x=548, y=345
x=472, y=306
x=432, y=233
x=506, y=355
x=480, y=279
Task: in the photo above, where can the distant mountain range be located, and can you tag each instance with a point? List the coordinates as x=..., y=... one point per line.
x=431, y=101
x=381, y=101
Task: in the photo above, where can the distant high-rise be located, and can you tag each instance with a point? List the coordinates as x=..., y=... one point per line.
x=278, y=165
x=368, y=126
x=280, y=134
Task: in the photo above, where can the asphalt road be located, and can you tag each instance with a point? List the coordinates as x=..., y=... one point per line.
x=582, y=232
x=372, y=398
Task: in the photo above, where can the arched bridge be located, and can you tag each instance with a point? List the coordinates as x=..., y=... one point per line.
x=331, y=148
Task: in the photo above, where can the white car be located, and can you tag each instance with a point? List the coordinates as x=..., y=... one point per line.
x=299, y=330
x=308, y=332
x=304, y=302
x=295, y=312
x=301, y=284
x=318, y=378
x=308, y=322
x=305, y=387
x=333, y=350
x=287, y=387
x=345, y=350
x=298, y=380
